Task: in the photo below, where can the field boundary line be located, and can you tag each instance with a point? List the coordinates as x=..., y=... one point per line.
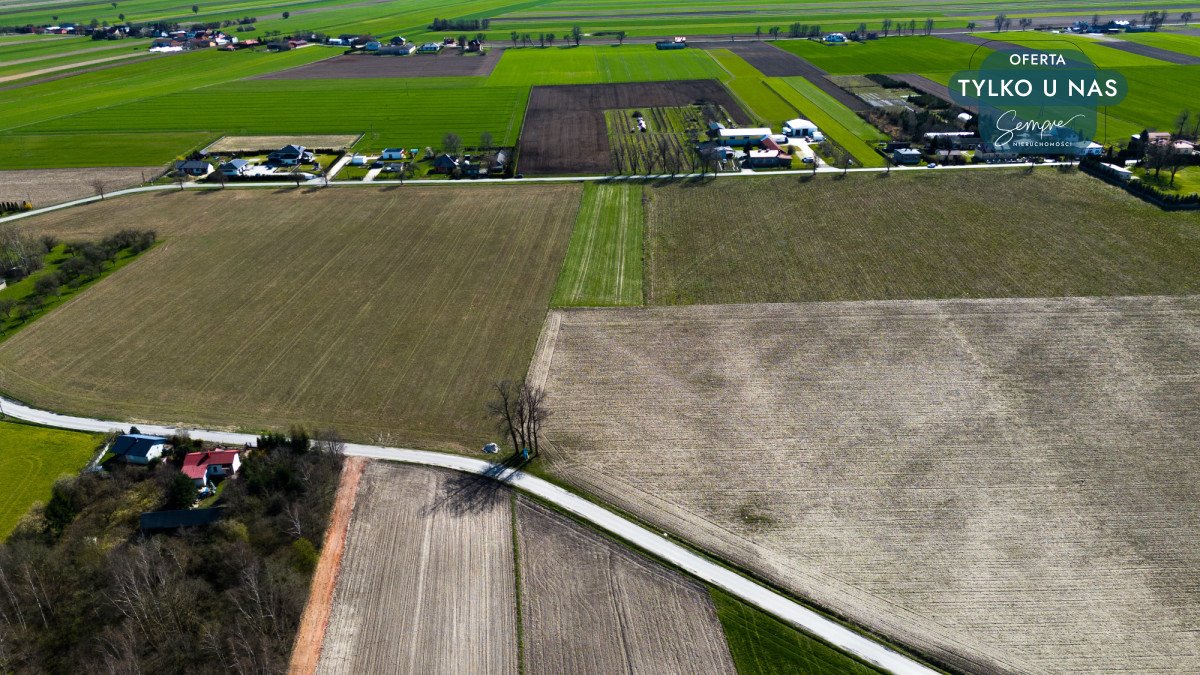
x=606, y=519
x=310, y=637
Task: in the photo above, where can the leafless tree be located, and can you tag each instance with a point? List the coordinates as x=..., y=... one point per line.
x=520, y=411
x=452, y=144
x=98, y=185
x=485, y=140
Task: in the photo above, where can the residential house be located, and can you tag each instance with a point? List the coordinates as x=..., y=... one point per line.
x=735, y=137
x=194, y=167
x=474, y=45
x=1183, y=147
x=498, y=163
x=290, y=155
x=392, y=153
x=234, y=167
x=906, y=156
x=767, y=159
x=429, y=48
x=212, y=466
x=444, y=163
x=138, y=448
x=397, y=50
x=397, y=41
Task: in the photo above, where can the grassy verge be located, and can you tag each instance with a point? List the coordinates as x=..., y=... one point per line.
x=32, y=459
x=603, y=266
x=762, y=644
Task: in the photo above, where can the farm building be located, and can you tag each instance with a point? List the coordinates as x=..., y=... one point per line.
x=173, y=520
x=358, y=160
x=396, y=50
x=670, y=44
x=138, y=448
x=392, y=153
x=749, y=136
x=799, y=127
x=214, y=466
x=906, y=156
x=429, y=48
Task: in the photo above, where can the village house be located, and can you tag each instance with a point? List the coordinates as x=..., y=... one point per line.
x=736, y=137
x=194, y=167
x=234, y=168
x=444, y=163
x=290, y=155
x=906, y=156
x=392, y=153
x=138, y=448
x=429, y=48
x=205, y=468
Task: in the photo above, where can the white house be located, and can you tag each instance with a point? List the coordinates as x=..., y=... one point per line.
x=799, y=127
x=138, y=448
x=358, y=160
x=742, y=136
x=392, y=153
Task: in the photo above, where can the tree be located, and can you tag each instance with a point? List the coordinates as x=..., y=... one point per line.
x=519, y=411
x=47, y=285
x=758, y=32
x=541, y=39
x=620, y=37
x=195, y=9
x=887, y=27
x=1025, y=23
x=1184, y=17
x=516, y=37
x=1181, y=121
x=999, y=21
x=576, y=35
x=121, y=17
x=862, y=31
x=485, y=140
x=286, y=15
x=550, y=38
x=774, y=31
x=7, y=305
x=179, y=492
x=452, y=144
x=970, y=25
x=98, y=186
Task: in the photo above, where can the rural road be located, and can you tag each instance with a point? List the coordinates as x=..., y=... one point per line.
x=655, y=543
x=320, y=183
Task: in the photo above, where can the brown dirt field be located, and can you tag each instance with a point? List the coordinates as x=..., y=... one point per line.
x=46, y=187
x=590, y=605
x=315, y=619
x=774, y=62
x=259, y=143
x=383, y=313
x=1152, y=52
x=564, y=130
x=427, y=579
x=1007, y=485
x=415, y=65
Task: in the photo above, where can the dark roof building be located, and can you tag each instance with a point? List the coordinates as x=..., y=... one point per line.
x=173, y=520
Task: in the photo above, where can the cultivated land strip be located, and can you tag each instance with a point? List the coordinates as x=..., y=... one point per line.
x=1152, y=52
x=658, y=545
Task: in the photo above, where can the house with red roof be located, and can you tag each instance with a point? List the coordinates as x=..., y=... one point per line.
x=211, y=466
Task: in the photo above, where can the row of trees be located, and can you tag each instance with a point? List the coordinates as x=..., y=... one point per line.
x=576, y=36
x=459, y=24
x=81, y=589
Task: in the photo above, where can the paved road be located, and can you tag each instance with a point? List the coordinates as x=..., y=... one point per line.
x=654, y=543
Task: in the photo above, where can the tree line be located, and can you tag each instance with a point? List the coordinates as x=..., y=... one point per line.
x=459, y=24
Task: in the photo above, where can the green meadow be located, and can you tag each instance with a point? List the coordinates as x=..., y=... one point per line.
x=1097, y=53
x=531, y=66
x=33, y=458
x=917, y=54
x=603, y=266
x=1175, y=42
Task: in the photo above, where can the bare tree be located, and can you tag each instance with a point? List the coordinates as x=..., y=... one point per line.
x=886, y=26
x=620, y=37
x=98, y=185
x=520, y=411
x=928, y=26
x=485, y=140
x=452, y=144
x=1000, y=21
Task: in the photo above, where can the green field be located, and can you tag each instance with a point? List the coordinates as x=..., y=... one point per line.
x=33, y=458
x=748, y=85
x=587, y=65
x=1097, y=53
x=917, y=54
x=603, y=267
x=948, y=234
x=1175, y=42
x=763, y=645
x=838, y=122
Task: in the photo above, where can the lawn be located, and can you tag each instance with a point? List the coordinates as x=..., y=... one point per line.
x=953, y=234
x=384, y=313
x=89, y=149
x=892, y=55
x=838, y=122
x=592, y=65
x=33, y=458
x=603, y=266
x=763, y=645
x=1187, y=180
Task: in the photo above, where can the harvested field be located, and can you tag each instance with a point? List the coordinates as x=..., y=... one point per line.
x=327, y=308
x=46, y=187
x=591, y=605
x=913, y=235
x=774, y=62
x=262, y=143
x=366, y=66
x=426, y=584
x=1008, y=485
x=1152, y=52
x=565, y=131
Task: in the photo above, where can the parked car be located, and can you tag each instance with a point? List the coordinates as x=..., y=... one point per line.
x=931, y=165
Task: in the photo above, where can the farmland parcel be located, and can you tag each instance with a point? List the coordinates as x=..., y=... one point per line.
x=590, y=605
x=33, y=458
x=373, y=312
x=1005, y=484
x=426, y=583
x=953, y=234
